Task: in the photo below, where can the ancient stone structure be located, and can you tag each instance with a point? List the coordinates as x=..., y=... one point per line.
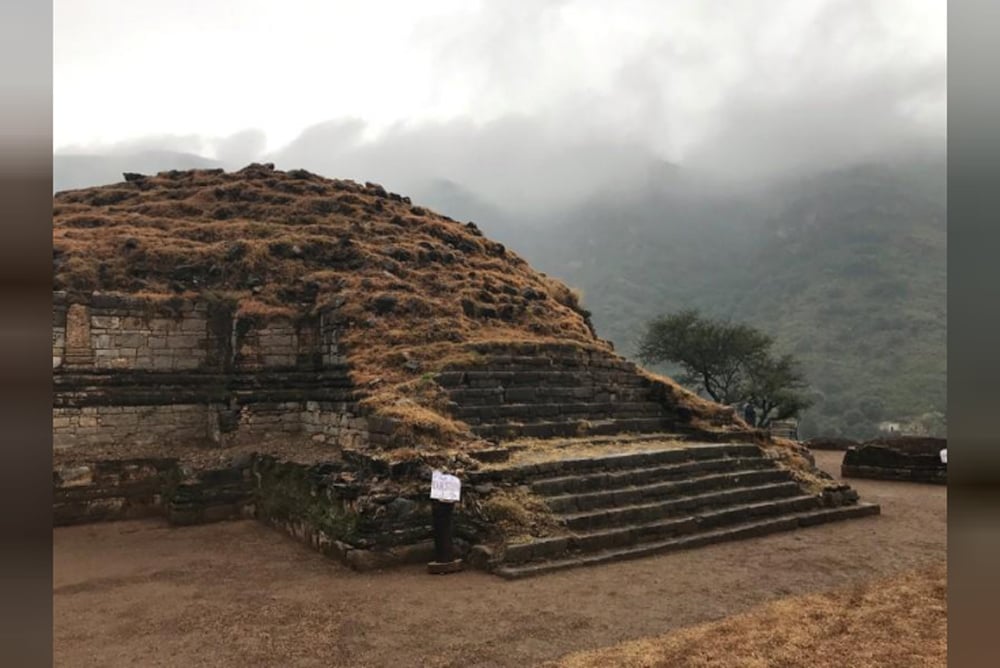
x=305, y=352
x=909, y=458
x=132, y=372
x=828, y=443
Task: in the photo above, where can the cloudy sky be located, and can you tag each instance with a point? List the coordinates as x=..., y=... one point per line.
x=524, y=85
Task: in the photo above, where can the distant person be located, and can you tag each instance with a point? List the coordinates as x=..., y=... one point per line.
x=750, y=415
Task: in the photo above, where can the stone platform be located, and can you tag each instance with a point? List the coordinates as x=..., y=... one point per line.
x=912, y=459
x=609, y=454
x=624, y=505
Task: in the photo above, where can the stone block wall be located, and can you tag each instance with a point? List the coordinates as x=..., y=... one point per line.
x=119, y=333
x=168, y=425
x=265, y=421
x=149, y=343
x=352, y=518
x=110, y=490
x=274, y=345
x=190, y=373
x=332, y=422
x=116, y=490
x=915, y=459
x=124, y=333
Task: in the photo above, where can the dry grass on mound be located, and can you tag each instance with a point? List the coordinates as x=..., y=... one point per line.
x=709, y=415
x=898, y=622
x=405, y=281
x=408, y=284
x=789, y=455
x=519, y=514
x=535, y=451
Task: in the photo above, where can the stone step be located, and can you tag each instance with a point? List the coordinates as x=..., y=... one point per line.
x=674, y=454
x=570, y=427
x=581, y=408
x=618, y=496
x=492, y=396
x=584, y=483
x=617, y=440
x=517, y=361
x=630, y=534
x=719, y=517
x=534, y=360
x=540, y=377
x=760, y=527
x=649, y=512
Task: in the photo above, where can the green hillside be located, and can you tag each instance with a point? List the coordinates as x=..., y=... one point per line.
x=846, y=269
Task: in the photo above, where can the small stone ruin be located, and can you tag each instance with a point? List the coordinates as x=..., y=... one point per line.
x=909, y=458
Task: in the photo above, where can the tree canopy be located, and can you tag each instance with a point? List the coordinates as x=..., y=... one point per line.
x=732, y=363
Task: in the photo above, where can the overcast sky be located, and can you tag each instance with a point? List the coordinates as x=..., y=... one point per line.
x=527, y=85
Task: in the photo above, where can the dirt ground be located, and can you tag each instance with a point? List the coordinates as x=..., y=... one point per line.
x=239, y=594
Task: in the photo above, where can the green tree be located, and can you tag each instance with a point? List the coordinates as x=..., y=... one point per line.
x=776, y=387
x=730, y=362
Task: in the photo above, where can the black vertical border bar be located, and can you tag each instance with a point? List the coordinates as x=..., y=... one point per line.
x=973, y=331
x=25, y=332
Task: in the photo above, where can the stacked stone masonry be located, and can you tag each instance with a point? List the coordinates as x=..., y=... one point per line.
x=552, y=391
x=132, y=372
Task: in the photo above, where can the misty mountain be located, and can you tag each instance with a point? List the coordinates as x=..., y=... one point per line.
x=845, y=269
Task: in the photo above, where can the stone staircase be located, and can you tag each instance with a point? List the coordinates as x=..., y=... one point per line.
x=624, y=505
x=547, y=391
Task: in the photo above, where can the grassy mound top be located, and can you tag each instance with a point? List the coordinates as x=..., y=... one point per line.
x=415, y=290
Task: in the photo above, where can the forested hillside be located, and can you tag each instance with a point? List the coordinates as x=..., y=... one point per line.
x=846, y=269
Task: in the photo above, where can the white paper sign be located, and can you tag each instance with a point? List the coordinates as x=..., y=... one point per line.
x=445, y=487
x=944, y=456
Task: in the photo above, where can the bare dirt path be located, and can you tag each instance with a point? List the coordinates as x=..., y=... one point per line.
x=240, y=594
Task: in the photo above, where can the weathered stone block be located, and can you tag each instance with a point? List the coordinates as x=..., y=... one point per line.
x=182, y=341
x=187, y=362
x=193, y=325
x=105, y=322
x=77, y=476
x=163, y=363
x=133, y=341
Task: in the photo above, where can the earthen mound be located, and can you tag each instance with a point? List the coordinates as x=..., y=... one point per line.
x=291, y=271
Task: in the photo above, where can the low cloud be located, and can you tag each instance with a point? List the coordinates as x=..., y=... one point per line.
x=756, y=90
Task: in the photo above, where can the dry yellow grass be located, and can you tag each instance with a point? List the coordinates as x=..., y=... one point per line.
x=899, y=622
x=707, y=415
x=519, y=514
x=788, y=454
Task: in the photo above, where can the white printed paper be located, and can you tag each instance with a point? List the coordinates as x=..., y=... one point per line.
x=445, y=487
